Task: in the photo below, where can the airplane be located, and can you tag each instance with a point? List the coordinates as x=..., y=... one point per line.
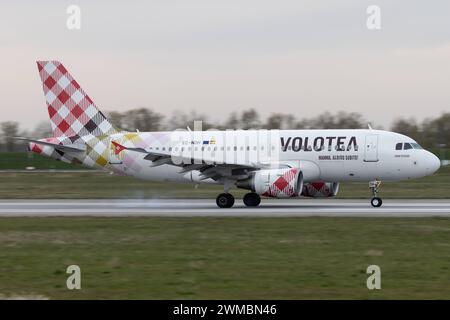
x=268, y=163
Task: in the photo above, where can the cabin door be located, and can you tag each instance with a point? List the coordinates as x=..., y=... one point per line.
x=371, y=148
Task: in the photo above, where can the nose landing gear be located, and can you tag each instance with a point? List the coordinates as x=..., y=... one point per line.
x=374, y=186
x=376, y=202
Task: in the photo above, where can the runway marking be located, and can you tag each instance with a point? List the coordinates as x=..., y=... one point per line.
x=207, y=208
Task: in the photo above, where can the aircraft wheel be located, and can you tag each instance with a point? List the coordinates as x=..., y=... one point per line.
x=225, y=200
x=252, y=199
x=376, y=202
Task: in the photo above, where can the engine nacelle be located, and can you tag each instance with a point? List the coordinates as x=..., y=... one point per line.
x=275, y=183
x=320, y=189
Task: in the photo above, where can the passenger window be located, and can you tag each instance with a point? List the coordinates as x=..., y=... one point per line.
x=398, y=146
x=408, y=146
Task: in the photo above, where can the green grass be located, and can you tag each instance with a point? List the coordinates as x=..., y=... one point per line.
x=225, y=258
x=22, y=160
x=93, y=185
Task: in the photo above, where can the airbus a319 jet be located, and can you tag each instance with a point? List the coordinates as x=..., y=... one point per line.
x=268, y=163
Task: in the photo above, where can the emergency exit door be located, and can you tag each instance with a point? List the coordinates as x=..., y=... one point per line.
x=371, y=148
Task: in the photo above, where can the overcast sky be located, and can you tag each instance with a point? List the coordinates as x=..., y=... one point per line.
x=291, y=56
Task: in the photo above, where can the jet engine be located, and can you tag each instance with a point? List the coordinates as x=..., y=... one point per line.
x=275, y=183
x=320, y=189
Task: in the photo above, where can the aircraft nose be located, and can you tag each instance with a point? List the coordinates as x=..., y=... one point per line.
x=433, y=163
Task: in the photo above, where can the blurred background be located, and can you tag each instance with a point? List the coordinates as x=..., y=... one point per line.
x=160, y=65
x=431, y=133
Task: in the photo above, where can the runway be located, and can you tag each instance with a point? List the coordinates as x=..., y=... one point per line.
x=207, y=208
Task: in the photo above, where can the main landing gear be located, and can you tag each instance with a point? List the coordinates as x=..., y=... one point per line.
x=226, y=200
x=375, y=188
x=252, y=199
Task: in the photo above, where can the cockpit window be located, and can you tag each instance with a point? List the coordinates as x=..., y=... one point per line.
x=407, y=146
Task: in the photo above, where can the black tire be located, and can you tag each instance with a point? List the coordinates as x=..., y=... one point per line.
x=225, y=200
x=230, y=200
x=252, y=199
x=376, y=202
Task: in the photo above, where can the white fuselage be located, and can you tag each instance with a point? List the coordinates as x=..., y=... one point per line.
x=322, y=155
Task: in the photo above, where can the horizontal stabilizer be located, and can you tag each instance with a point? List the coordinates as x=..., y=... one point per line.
x=64, y=148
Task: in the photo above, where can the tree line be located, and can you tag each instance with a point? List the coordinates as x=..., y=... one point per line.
x=430, y=133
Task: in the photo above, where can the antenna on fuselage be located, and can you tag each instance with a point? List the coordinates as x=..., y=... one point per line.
x=370, y=127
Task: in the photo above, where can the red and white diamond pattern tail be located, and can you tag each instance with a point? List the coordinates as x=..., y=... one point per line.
x=285, y=186
x=72, y=113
